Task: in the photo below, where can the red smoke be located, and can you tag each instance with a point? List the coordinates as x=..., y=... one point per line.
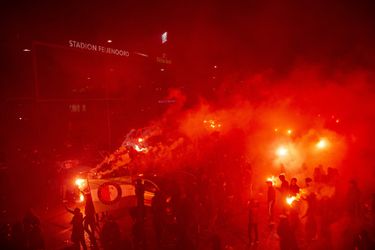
x=249, y=125
x=296, y=110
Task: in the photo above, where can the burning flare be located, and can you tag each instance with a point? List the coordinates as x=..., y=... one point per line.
x=272, y=179
x=81, y=198
x=80, y=183
x=323, y=143
x=212, y=124
x=282, y=151
x=290, y=199
x=140, y=149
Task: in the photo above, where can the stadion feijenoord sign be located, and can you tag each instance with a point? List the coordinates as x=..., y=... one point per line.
x=98, y=48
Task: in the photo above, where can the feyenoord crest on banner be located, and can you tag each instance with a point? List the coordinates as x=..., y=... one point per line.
x=109, y=192
x=112, y=194
x=118, y=193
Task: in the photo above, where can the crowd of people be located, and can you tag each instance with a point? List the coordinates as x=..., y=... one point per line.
x=319, y=212
x=316, y=215
x=25, y=235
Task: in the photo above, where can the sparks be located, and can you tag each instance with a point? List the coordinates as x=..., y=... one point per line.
x=289, y=131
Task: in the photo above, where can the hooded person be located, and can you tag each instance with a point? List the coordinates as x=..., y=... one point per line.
x=78, y=232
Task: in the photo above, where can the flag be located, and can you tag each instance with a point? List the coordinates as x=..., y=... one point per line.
x=112, y=194
x=117, y=193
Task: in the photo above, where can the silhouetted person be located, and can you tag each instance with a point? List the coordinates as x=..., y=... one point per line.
x=311, y=213
x=332, y=175
x=35, y=239
x=294, y=188
x=284, y=191
x=18, y=237
x=287, y=240
x=318, y=174
x=284, y=187
x=157, y=217
x=33, y=233
x=110, y=235
x=30, y=220
x=216, y=242
x=78, y=232
x=353, y=199
x=363, y=241
x=89, y=223
x=294, y=220
x=184, y=219
x=271, y=199
x=140, y=194
x=253, y=222
x=5, y=236
x=308, y=183
x=137, y=230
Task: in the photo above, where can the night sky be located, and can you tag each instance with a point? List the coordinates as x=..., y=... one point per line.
x=251, y=34
x=215, y=47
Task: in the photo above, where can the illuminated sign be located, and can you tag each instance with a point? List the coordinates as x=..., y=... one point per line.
x=163, y=59
x=164, y=37
x=97, y=48
x=76, y=108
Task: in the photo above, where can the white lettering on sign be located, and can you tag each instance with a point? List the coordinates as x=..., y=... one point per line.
x=163, y=59
x=167, y=101
x=98, y=48
x=77, y=108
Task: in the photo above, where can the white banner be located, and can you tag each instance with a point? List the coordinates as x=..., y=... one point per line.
x=117, y=193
